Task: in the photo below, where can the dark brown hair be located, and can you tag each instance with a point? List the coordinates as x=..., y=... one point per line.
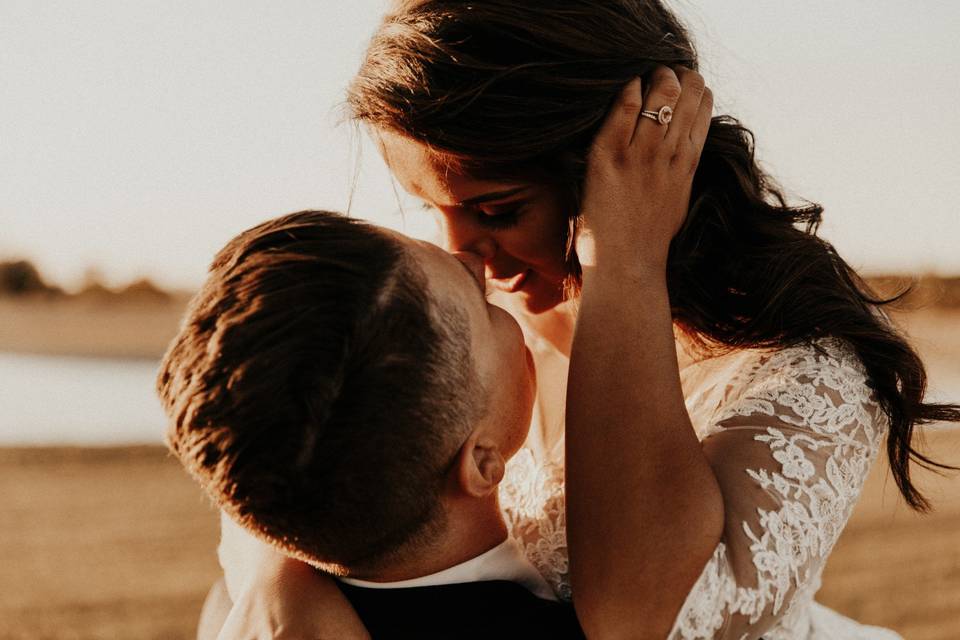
x=318, y=392
x=500, y=88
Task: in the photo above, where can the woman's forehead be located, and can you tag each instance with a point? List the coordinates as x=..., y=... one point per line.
x=424, y=175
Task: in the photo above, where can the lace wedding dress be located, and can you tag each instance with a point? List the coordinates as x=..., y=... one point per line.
x=798, y=431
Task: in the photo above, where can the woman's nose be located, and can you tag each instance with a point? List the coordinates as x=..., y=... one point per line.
x=464, y=235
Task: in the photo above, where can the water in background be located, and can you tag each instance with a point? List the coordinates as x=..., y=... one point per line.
x=63, y=400
x=57, y=400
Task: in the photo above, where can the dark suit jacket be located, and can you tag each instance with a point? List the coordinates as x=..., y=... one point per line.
x=493, y=609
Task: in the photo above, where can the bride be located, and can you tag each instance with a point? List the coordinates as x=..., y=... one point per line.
x=731, y=379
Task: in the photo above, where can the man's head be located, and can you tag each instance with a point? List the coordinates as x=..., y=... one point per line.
x=334, y=382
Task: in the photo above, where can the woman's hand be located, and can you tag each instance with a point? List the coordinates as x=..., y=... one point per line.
x=288, y=600
x=640, y=171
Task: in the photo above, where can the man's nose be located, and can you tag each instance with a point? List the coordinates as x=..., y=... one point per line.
x=469, y=236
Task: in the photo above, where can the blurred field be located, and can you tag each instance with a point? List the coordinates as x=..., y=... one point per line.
x=119, y=543
x=101, y=543
x=140, y=320
x=895, y=568
x=87, y=326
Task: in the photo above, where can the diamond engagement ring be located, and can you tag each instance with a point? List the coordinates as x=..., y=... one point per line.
x=664, y=116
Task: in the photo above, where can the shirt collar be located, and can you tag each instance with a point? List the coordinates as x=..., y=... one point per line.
x=506, y=561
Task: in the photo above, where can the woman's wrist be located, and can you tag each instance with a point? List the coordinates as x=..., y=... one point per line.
x=625, y=277
x=612, y=253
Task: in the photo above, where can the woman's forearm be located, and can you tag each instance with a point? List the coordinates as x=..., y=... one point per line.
x=241, y=555
x=644, y=509
x=275, y=596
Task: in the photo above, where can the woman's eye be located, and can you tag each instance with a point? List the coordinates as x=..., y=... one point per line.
x=499, y=219
x=492, y=218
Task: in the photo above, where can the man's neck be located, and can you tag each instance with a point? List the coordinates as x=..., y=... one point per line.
x=471, y=529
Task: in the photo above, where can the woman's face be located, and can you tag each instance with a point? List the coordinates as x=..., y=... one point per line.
x=518, y=228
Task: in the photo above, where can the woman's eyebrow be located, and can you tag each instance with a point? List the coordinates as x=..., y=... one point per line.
x=493, y=195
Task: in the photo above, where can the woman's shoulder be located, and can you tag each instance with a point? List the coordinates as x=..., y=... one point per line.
x=820, y=388
x=819, y=383
x=823, y=361
x=827, y=361
x=822, y=365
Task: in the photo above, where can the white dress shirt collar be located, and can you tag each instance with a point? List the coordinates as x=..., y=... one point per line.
x=506, y=561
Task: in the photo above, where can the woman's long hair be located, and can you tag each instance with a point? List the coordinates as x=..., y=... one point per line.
x=500, y=88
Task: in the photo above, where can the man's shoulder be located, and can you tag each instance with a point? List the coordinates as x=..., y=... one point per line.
x=487, y=609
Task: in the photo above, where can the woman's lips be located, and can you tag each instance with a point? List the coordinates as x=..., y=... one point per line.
x=512, y=284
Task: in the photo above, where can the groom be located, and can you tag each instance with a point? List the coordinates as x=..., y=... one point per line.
x=345, y=394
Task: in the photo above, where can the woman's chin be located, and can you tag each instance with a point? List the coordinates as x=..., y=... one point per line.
x=535, y=300
x=534, y=307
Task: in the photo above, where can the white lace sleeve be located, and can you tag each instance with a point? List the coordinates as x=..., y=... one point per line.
x=791, y=445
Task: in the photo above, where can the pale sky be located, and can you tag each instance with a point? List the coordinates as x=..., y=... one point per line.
x=139, y=136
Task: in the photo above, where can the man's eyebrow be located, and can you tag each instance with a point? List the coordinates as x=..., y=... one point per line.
x=493, y=195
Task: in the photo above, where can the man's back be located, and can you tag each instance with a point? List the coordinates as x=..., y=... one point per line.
x=489, y=609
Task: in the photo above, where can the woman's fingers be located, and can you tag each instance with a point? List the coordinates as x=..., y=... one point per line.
x=701, y=124
x=640, y=170
x=665, y=90
x=617, y=129
x=681, y=90
x=692, y=89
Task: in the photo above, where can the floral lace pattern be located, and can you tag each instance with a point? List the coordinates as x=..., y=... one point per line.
x=532, y=499
x=800, y=429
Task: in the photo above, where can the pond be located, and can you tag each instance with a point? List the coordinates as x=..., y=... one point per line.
x=56, y=400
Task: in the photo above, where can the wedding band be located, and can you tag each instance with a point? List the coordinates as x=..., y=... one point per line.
x=664, y=116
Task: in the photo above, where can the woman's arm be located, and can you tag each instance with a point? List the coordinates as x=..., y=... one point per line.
x=240, y=554
x=645, y=511
x=708, y=539
x=277, y=597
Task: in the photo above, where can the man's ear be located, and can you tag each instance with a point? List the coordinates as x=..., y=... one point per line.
x=479, y=467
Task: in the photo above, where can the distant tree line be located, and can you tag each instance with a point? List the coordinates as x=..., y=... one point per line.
x=22, y=279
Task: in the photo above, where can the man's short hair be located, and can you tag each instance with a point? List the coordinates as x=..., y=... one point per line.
x=319, y=393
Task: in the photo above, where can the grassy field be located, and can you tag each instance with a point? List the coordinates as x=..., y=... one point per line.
x=896, y=568
x=102, y=543
x=85, y=327
x=118, y=543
